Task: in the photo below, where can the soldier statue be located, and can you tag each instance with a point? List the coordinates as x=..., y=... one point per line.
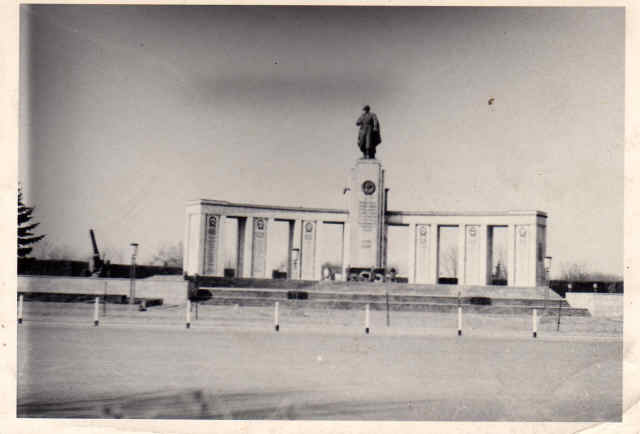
x=369, y=133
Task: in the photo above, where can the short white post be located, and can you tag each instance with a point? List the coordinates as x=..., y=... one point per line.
x=276, y=317
x=104, y=300
x=188, y=313
x=96, y=307
x=366, y=318
x=20, y=305
x=459, y=320
x=535, y=323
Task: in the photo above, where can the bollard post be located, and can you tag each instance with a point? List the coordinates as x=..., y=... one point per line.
x=459, y=315
x=104, y=299
x=96, y=307
x=366, y=318
x=388, y=319
x=188, y=313
x=20, y=306
x=535, y=323
x=276, y=317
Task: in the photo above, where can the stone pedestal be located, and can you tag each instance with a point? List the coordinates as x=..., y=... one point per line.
x=366, y=214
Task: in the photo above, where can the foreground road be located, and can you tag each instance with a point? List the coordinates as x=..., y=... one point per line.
x=75, y=370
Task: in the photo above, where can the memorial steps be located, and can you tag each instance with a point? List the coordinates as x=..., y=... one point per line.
x=402, y=297
x=440, y=289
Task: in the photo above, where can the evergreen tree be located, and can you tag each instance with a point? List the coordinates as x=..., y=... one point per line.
x=25, y=234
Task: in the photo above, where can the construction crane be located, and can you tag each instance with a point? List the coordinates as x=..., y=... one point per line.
x=98, y=264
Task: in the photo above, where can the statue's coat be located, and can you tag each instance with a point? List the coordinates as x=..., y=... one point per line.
x=369, y=134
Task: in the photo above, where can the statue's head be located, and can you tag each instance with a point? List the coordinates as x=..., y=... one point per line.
x=366, y=109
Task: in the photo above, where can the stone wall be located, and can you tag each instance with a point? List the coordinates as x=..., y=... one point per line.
x=172, y=289
x=604, y=305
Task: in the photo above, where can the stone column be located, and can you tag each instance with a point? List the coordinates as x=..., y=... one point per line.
x=194, y=244
x=269, y=264
x=484, y=261
x=342, y=275
x=259, y=250
x=308, y=249
x=296, y=243
x=511, y=257
x=212, y=245
x=533, y=244
x=346, y=245
x=319, y=240
x=220, y=253
x=475, y=269
x=200, y=261
x=524, y=256
x=462, y=229
x=432, y=276
x=412, y=253
x=423, y=246
x=247, y=251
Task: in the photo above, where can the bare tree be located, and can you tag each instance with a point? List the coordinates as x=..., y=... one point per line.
x=112, y=255
x=42, y=249
x=169, y=255
x=47, y=250
x=500, y=270
x=574, y=272
x=579, y=272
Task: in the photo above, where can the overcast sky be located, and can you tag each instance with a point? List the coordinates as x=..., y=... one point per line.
x=128, y=112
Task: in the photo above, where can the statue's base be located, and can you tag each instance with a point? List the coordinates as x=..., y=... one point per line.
x=366, y=213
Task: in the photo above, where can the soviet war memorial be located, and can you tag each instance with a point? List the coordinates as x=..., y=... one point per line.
x=363, y=230
x=327, y=213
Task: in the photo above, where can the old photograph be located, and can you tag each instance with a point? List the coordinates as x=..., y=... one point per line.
x=320, y=213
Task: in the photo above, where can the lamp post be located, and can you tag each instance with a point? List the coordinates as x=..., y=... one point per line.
x=132, y=274
x=547, y=271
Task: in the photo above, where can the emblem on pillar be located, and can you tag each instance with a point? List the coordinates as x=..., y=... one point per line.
x=368, y=187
